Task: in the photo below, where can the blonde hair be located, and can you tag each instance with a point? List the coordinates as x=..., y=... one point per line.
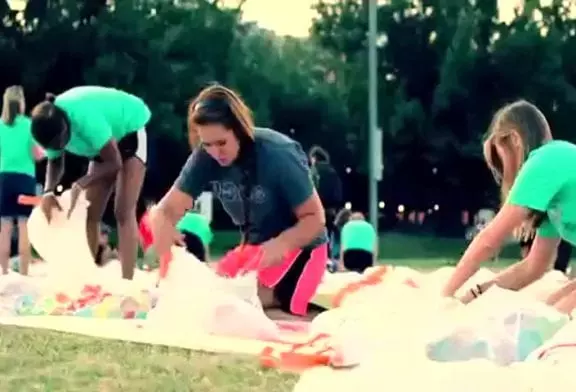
x=516, y=130
x=12, y=104
x=217, y=104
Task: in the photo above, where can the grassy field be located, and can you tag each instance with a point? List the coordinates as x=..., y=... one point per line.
x=398, y=249
x=38, y=360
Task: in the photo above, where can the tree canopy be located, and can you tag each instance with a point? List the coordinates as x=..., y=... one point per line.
x=444, y=68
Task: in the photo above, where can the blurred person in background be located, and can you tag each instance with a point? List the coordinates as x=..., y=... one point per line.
x=18, y=155
x=105, y=250
x=196, y=234
x=358, y=242
x=329, y=187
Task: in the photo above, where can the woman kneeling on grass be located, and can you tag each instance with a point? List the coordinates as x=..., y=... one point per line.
x=538, y=188
x=263, y=180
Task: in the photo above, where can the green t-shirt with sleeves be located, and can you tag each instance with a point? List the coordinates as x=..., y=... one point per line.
x=198, y=224
x=547, y=183
x=16, y=147
x=98, y=115
x=358, y=235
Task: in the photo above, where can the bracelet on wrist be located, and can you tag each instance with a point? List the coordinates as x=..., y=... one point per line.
x=476, y=291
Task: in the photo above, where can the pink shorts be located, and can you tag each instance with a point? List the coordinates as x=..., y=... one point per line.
x=294, y=281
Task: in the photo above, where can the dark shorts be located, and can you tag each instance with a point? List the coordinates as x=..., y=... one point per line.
x=13, y=185
x=286, y=287
x=357, y=260
x=134, y=144
x=294, y=281
x=194, y=245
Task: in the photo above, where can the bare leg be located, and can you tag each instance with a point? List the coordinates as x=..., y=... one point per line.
x=266, y=296
x=6, y=227
x=272, y=307
x=128, y=187
x=98, y=196
x=24, y=248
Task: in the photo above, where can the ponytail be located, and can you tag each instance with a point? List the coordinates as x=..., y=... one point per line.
x=12, y=104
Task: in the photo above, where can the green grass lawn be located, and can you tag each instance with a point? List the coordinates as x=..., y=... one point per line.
x=39, y=360
x=399, y=249
x=392, y=246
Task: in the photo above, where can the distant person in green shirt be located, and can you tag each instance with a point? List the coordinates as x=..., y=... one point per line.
x=107, y=126
x=18, y=153
x=197, y=234
x=538, y=187
x=358, y=243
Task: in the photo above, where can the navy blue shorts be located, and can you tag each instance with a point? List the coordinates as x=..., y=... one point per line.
x=357, y=260
x=13, y=185
x=194, y=245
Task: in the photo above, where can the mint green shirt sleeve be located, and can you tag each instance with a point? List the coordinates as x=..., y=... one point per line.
x=538, y=182
x=52, y=154
x=547, y=230
x=96, y=131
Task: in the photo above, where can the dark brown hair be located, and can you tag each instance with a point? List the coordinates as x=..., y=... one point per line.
x=48, y=122
x=12, y=104
x=342, y=218
x=320, y=154
x=217, y=104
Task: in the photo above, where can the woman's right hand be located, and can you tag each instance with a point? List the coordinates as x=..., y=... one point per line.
x=49, y=203
x=163, y=232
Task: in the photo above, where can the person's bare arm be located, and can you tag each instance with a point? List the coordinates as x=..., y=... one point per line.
x=311, y=222
x=341, y=261
x=109, y=167
x=525, y=272
x=54, y=173
x=486, y=244
x=561, y=293
x=165, y=216
x=207, y=253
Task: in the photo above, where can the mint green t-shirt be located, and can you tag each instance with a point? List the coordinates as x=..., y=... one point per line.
x=358, y=235
x=98, y=115
x=195, y=223
x=16, y=147
x=547, y=183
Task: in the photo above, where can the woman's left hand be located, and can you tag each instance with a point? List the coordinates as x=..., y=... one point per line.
x=75, y=191
x=273, y=252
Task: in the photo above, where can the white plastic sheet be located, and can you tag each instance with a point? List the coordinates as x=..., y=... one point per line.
x=62, y=243
x=502, y=326
x=194, y=297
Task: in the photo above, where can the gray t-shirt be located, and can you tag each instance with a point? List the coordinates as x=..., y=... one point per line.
x=280, y=180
